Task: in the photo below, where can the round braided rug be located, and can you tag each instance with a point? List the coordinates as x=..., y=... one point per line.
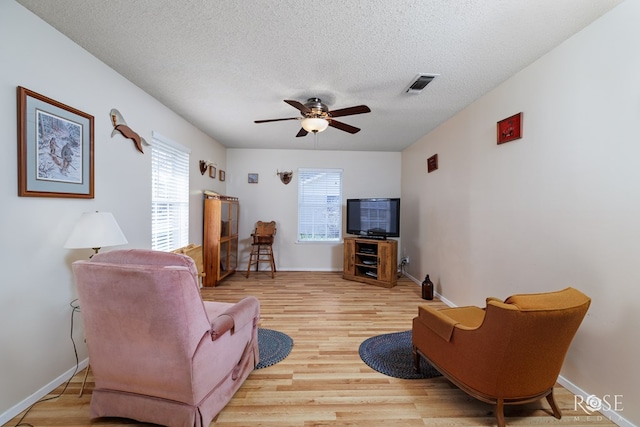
x=392, y=355
x=274, y=346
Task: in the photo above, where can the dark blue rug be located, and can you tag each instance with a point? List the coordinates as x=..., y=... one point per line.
x=392, y=355
x=274, y=346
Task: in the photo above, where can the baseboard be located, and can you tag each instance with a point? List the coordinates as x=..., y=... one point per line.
x=436, y=294
x=610, y=414
x=413, y=279
x=35, y=397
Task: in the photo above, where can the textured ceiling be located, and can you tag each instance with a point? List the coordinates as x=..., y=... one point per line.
x=223, y=64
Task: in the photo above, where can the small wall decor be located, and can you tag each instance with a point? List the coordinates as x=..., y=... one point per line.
x=212, y=171
x=55, y=148
x=203, y=166
x=252, y=178
x=222, y=175
x=510, y=128
x=285, y=177
x=120, y=126
x=432, y=163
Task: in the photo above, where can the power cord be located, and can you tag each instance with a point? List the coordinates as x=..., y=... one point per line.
x=75, y=307
x=401, y=268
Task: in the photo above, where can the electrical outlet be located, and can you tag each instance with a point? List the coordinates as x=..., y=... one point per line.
x=405, y=260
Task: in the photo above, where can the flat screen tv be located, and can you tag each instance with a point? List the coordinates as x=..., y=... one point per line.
x=377, y=218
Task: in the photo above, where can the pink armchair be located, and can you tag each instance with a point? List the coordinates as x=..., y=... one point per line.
x=158, y=353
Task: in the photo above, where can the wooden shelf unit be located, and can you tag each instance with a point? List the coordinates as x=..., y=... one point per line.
x=220, y=240
x=371, y=261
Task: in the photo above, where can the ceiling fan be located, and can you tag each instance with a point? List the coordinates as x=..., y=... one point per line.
x=316, y=116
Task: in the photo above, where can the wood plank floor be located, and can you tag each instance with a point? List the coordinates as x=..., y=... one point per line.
x=323, y=382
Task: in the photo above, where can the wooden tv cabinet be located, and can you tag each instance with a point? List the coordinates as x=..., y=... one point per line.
x=371, y=261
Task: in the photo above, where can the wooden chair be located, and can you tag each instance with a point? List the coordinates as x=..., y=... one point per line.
x=194, y=252
x=262, y=246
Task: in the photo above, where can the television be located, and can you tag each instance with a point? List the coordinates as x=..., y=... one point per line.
x=374, y=218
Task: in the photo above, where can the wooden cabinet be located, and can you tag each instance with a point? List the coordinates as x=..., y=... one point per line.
x=371, y=261
x=220, y=240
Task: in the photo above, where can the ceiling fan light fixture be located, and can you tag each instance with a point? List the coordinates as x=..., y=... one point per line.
x=316, y=117
x=314, y=124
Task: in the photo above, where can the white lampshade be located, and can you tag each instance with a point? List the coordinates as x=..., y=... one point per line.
x=314, y=124
x=95, y=230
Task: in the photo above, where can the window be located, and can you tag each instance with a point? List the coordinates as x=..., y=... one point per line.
x=319, y=205
x=170, y=194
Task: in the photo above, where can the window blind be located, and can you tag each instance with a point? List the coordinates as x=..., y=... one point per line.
x=319, y=205
x=170, y=194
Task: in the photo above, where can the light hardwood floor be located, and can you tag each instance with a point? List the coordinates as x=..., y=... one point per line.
x=323, y=382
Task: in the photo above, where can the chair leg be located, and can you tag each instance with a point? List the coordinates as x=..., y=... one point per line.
x=272, y=263
x=262, y=253
x=500, y=412
x=554, y=406
x=250, y=261
x=258, y=257
x=273, y=260
x=416, y=360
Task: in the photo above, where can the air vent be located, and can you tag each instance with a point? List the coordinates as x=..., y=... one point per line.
x=420, y=82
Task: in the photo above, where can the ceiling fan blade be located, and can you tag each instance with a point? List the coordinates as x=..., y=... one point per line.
x=302, y=132
x=276, y=120
x=299, y=105
x=343, y=126
x=358, y=109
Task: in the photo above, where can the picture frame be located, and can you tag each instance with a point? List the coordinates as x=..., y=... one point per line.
x=212, y=172
x=55, y=148
x=222, y=175
x=432, y=163
x=510, y=129
x=252, y=178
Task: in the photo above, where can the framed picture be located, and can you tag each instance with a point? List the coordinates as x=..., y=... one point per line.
x=222, y=175
x=253, y=178
x=55, y=148
x=510, y=128
x=432, y=163
x=212, y=172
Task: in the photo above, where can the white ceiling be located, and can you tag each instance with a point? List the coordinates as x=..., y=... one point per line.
x=223, y=64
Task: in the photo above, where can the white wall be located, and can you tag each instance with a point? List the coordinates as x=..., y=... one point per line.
x=37, y=284
x=559, y=207
x=365, y=174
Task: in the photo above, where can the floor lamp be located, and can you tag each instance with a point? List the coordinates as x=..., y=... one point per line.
x=95, y=230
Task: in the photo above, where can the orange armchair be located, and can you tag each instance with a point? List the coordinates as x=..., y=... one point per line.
x=508, y=353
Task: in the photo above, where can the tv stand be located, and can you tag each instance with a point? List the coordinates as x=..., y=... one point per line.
x=371, y=260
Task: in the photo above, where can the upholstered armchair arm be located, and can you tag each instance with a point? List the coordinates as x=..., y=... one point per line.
x=220, y=325
x=245, y=311
x=441, y=324
x=444, y=321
